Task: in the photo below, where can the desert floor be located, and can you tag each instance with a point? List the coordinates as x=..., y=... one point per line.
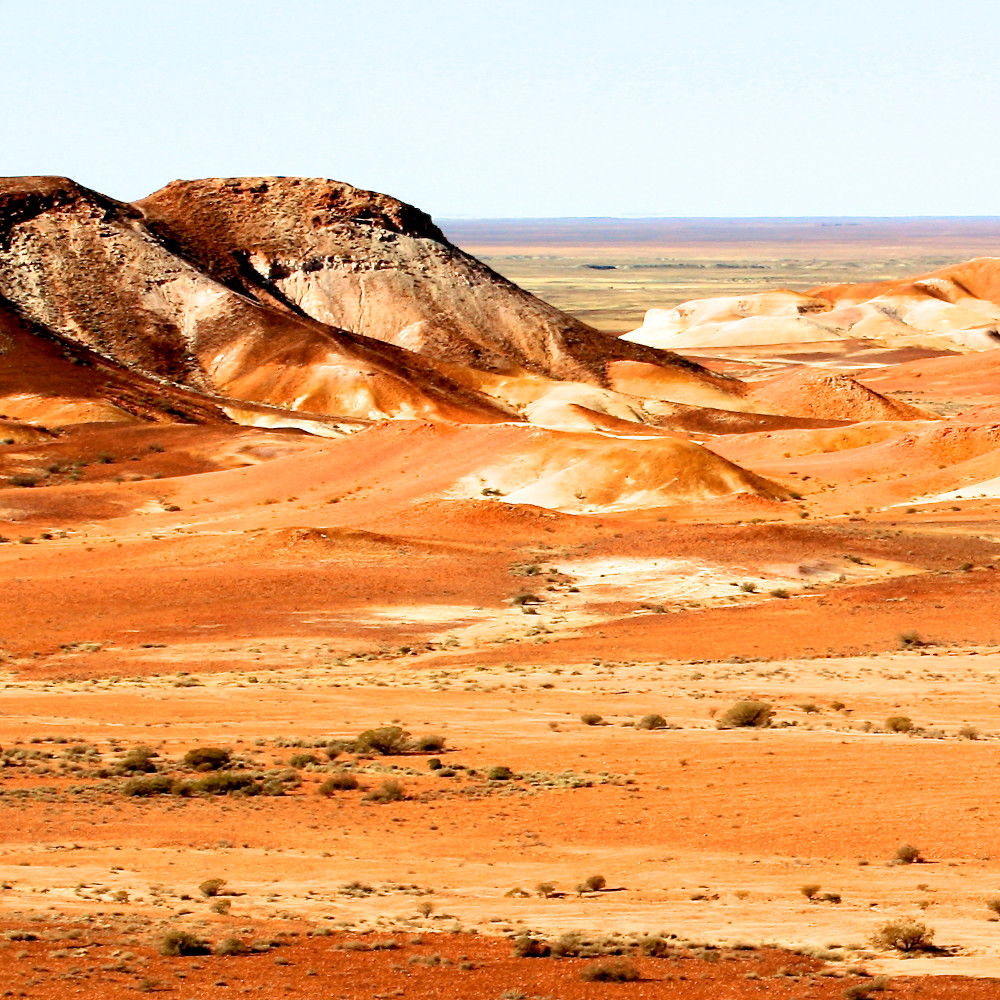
x=268, y=593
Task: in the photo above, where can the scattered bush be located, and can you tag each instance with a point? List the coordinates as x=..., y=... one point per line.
x=386, y=740
x=903, y=935
x=595, y=883
x=969, y=733
x=157, y=784
x=389, y=791
x=651, y=721
x=620, y=971
x=591, y=719
x=748, y=586
x=746, y=714
x=898, y=724
x=182, y=943
x=993, y=905
x=526, y=946
x=545, y=889
x=211, y=886
x=206, y=759
x=499, y=772
x=302, y=759
x=344, y=782
x=431, y=743
x=907, y=854
x=230, y=946
x=139, y=760
x=810, y=890
x=910, y=640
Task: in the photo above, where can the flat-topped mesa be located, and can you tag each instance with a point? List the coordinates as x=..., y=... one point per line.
x=371, y=264
x=87, y=269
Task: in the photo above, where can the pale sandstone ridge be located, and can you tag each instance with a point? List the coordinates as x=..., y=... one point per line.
x=87, y=269
x=368, y=263
x=956, y=308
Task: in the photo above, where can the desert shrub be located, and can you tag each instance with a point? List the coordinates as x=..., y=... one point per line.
x=139, y=760
x=206, y=759
x=907, y=854
x=499, y=772
x=545, y=889
x=591, y=719
x=525, y=598
x=389, y=791
x=969, y=733
x=620, y=971
x=910, y=640
x=24, y=481
x=386, y=740
x=211, y=886
x=781, y=593
x=860, y=990
x=830, y=897
x=222, y=783
x=526, y=946
x=744, y=714
x=898, y=724
x=182, y=943
x=903, y=935
x=154, y=784
x=748, y=586
x=431, y=743
x=434, y=764
x=993, y=905
x=230, y=946
x=810, y=889
x=344, y=782
x=654, y=946
x=595, y=882
x=302, y=759
x=651, y=721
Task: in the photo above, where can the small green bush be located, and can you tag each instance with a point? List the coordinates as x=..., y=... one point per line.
x=155, y=784
x=206, y=759
x=302, y=759
x=386, y=740
x=138, y=760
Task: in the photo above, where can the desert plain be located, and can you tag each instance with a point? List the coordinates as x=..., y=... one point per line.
x=373, y=629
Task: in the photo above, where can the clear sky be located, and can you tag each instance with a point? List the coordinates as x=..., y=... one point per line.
x=508, y=108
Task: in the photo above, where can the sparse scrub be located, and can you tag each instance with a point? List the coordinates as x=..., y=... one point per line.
x=903, y=935
x=898, y=724
x=156, y=784
x=389, y=791
x=344, y=782
x=175, y=943
x=651, y=721
x=211, y=886
x=621, y=971
x=595, y=883
x=746, y=714
x=206, y=759
x=499, y=772
x=386, y=740
x=591, y=719
x=907, y=854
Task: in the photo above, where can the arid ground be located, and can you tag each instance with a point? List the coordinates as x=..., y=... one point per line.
x=541, y=665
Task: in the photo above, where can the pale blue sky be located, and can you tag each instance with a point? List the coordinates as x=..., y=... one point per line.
x=514, y=108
